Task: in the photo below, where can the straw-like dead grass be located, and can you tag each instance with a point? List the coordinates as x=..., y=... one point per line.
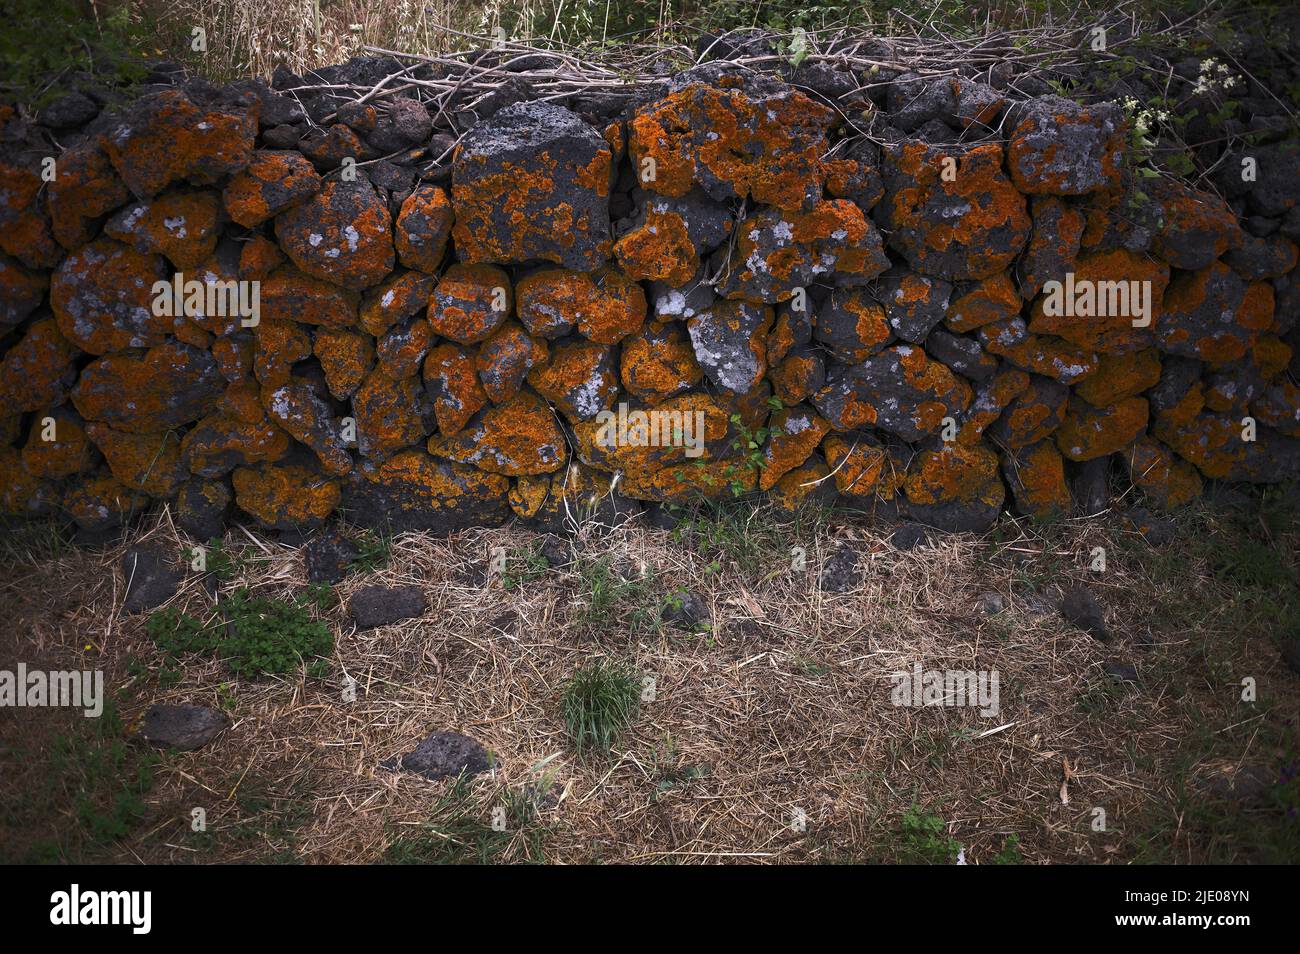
x=771, y=737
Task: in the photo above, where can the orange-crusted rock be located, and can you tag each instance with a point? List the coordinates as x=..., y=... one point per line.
x=258, y=258
x=800, y=375
x=30, y=237
x=292, y=296
x=1206, y=315
x=1033, y=415
x=857, y=175
x=852, y=325
x=581, y=378
x=1088, y=432
x=1042, y=354
x=451, y=377
x=149, y=463
x=532, y=182
x=950, y=472
x=733, y=137
x=274, y=181
x=1058, y=147
x=730, y=343
x=913, y=303
x=777, y=252
x=286, y=496
x=974, y=304
x=1120, y=376
x=1036, y=476
x=605, y=306
x=343, y=234
x=514, y=438
x=167, y=386
x=234, y=356
x=899, y=390
x=423, y=227
x=1196, y=227
x=791, y=329
x=991, y=400
x=401, y=349
x=180, y=225
x=220, y=442
x=166, y=137
x=243, y=399
x=202, y=506
x=969, y=225
x=38, y=370
x=99, y=502
x=414, y=491
x=1053, y=243
x=280, y=345
x=102, y=296
x=57, y=445
x=1109, y=303
x=670, y=236
x=689, y=427
x=470, y=302
x=22, y=493
x=86, y=189
x=659, y=362
x=864, y=468
x=682, y=483
x=794, y=433
x=388, y=415
x=1164, y=479
x=394, y=300
x=346, y=358
x=1279, y=408
x=810, y=482
x=1261, y=258
x=21, y=291
x=505, y=358
x=528, y=493
x=295, y=407
x=328, y=147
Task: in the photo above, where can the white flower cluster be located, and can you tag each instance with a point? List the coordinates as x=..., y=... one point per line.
x=1143, y=117
x=1214, y=76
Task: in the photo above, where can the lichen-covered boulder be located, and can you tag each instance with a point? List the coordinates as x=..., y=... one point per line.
x=730, y=343
x=864, y=468
x=505, y=359
x=179, y=225
x=671, y=236
x=777, y=252
x=1087, y=432
x=1196, y=227
x=1111, y=305
x=220, y=442
x=659, y=362
x=1120, y=376
x=581, y=378
x=518, y=437
x=1058, y=147
x=168, y=136
x=21, y=291
x=167, y=386
x=150, y=463
x=452, y=381
x=99, y=502
x=913, y=303
x=1053, y=243
x=852, y=325
x=273, y=182
x=1036, y=476
x=605, y=306
x=532, y=183
x=899, y=390
x=202, y=506
x=57, y=445
x=307, y=418
x=346, y=357
x=950, y=472
x=962, y=353
x=395, y=300
x=423, y=227
x=342, y=234
x=951, y=211
x=401, y=349
x=1207, y=315
x=388, y=414
x=992, y=398
x=470, y=303
x=974, y=304
x=102, y=296
x=1163, y=479
x=1032, y=415
x=414, y=491
x=794, y=433
x=1042, y=354
x=86, y=188
x=39, y=369
x=286, y=496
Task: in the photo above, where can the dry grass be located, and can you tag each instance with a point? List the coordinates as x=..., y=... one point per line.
x=783, y=707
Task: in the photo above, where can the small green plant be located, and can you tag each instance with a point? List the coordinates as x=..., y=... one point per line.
x=609, y=596
x=253, y=635
x=523, y=566
x=373, y=552
x=925, y=838
x=1010, y=853
x=457, y=833
x=599, y=703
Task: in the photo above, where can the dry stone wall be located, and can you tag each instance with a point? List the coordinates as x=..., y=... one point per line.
x=269, y=303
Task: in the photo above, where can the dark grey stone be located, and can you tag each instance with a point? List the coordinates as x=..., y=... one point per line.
x=376, y=605
x=444, y=754
x=1080, y=609
x=152, y=574
x=183, y=727
x=840, y=573
x=328, y=557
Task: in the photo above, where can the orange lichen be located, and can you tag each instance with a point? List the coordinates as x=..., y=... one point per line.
x=1120, y=376
x=1088, y=432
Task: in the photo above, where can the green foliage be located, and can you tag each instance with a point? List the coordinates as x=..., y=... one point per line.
x=254, y=635
x=608, y=596
x=523, y=566
x=102, y=778
x=373, y=552
x=599, y=703
x=457, y=835
x=1010, y=853
x=925, y=839
x=43, y=40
